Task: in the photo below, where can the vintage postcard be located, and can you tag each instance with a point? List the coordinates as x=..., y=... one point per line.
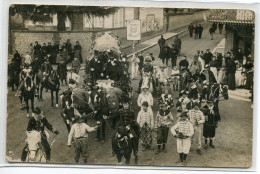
x=142, y=86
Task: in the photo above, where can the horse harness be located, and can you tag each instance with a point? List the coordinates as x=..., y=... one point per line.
x=122, y=139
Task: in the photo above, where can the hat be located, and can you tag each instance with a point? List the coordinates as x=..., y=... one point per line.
x=37, y=111
x=195, y=104
x=184, y=114
x=209, y=101
x=145, y=103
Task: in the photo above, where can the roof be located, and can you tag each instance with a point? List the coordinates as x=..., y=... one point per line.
x=234, y=17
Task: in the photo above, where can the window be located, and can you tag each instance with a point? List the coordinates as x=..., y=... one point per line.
x=77, y=22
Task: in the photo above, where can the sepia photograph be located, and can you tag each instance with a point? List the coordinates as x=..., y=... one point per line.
x=130, y=86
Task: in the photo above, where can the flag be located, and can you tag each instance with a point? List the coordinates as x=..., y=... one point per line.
x=204, y=17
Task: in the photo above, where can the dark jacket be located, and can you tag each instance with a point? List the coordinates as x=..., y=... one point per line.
x=207, y=57
x=211, y=118
x=39, y=125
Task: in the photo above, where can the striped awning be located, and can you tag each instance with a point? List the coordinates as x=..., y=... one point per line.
x=235, y=22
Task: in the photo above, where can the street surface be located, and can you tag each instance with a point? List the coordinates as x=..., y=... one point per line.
x=233, y=136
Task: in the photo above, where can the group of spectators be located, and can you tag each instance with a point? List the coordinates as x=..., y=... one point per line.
x=41, y=57
x=234, y=68
x=167, y=52
x=196, y=30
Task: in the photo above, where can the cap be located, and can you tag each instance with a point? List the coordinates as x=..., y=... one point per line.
x=196, y=104
x=37, y=110
x=209, y=101
x=184, y=114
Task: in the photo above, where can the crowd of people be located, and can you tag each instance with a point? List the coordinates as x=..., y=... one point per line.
x=194, y=119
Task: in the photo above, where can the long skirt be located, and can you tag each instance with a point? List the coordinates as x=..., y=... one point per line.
x=146, y=135
x=231, y=81
x=222, y=77
x=250, y=79
x=209, y=130
x=78, y=55
x=215, y=72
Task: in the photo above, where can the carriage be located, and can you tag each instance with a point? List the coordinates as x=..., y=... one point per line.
x=107, y=44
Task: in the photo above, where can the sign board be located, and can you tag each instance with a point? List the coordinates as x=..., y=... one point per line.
x=133, y=30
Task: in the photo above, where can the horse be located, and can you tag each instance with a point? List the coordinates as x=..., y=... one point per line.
x=35, y=150
x=217, y=91
x=52, y=83
x=27, y=93
x=13, y=76
x=78, y=99
x=124, y=144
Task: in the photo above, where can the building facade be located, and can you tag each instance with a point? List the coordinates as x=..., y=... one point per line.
x=151, y=18
x=239, y=26
x=83, y=29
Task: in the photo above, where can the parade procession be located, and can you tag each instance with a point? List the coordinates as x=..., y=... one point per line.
x=165, y=104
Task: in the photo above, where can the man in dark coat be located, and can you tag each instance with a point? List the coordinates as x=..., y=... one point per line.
x=231, y=71
x=44, y=50
x=191, y=29
x=196, y=31
x=161, y=43
x=95, y=68
x=112, y=69
x=68, y=47
x=207, y=57
x=200, y=31
x=38, y=122
x=178, y=43
x=208, y=79
x=239, y=55
x=141, y=63
x=17, y=58
x=220, y=27
x=212, y=31
x=37, y=51
x=166, y=54
x=183, y=63
x=174, y=52
x=212, y=118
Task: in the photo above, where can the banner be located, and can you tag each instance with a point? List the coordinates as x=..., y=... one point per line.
x=134, y=30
